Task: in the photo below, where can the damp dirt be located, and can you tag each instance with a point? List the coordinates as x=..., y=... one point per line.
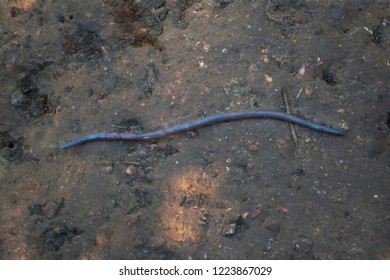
x=239, y=190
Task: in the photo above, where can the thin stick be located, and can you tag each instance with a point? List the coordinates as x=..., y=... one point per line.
x=299, y=94
x=292, y=127
x=119, y=126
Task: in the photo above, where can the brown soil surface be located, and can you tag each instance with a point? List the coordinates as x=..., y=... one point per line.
x=238, y=190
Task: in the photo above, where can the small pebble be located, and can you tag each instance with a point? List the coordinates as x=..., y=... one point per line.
x=230, y=230
x=303, y=246
x=104, y=167
x=131, y=170
x=19, y=100
x=344, y=126
x=255, y=212
x=101, y=241
x=245, y=215
x=268, y=79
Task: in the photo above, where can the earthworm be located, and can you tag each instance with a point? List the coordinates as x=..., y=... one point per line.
x=200, y=123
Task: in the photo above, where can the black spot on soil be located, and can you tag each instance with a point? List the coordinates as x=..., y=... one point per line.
x=287, y=12
x=242, y=165
x=139, y=199
x=54, y=236
x=14, y=12
x=329, y=77
x=139, y=37
x=301, y=171
x=5, y=140
x=84, y=42
x=41, y=21
x=48, y=231
x=48, y=209
x=178, y=9
x=223, y=3
x=35, y=209
x=142, y=198
x=150, y=77
x=131, y=125
x=273, y=226
x=164, y=152
x=152, y=14
x=61, y=18
x=240, y=223
x=192, y=134
x=141, y=20
x=377, y=34
x=346, y=30
x=302, y=248
x=28, y=98
x=27, y=86
x=11, y=146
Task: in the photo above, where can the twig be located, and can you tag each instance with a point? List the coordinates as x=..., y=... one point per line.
x=299, y=94
x=293, y=133
x=118, y=126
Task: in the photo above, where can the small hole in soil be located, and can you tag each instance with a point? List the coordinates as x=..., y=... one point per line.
x=11, y=145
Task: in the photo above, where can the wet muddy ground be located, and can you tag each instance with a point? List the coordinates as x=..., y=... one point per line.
x=239, y=190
